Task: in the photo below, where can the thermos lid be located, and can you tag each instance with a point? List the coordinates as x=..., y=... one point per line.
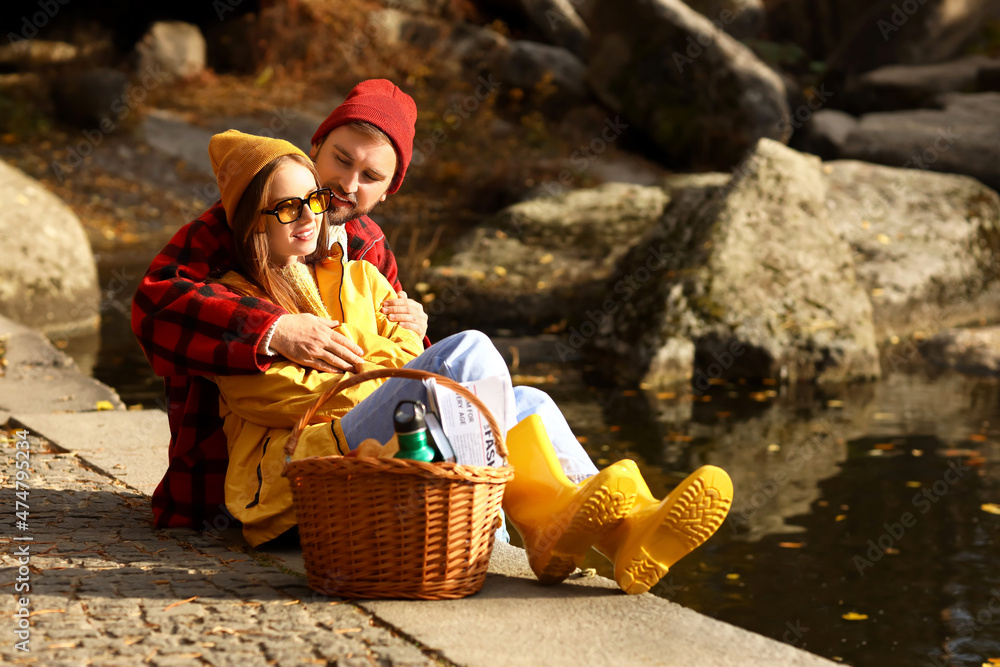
x=409, y=417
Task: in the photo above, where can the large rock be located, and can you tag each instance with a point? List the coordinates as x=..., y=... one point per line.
x=48, y=279
x=544, y=73
x=856, y=36
x=908, y=32
x=825, y=133
x=173, y=48
x=927, y=245
x=541, y=261
x=752, y=280
x=962, y=138
x=559, y=22
x=914, y=86
x=702, y=97
x=96, y=99
x=975, y=351
x=739, y=18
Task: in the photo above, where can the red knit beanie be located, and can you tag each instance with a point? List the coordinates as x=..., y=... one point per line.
x=381, y=103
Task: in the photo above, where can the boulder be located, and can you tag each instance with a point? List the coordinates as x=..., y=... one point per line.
x=91, y=98
x=542, y=72
x=700, y=96
x=914, y=32
x=559, y=22
x=531, y=66
x=739, y=18
x=927, y=245
x=48, y=280
x=541, y=261
x=173, y=48
x=961, y=138
x=753, y=278
x=914, y=86
x=825, y=133
x=975, y=351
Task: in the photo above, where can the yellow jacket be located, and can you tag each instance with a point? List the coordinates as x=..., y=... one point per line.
x=261, y=410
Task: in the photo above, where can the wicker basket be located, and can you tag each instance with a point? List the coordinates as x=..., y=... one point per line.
x=395, y=528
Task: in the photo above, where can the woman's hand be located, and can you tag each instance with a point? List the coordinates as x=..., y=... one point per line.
x=409, y=313
x=313, y=341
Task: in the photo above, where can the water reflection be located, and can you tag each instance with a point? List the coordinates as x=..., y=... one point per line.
x=857, y=531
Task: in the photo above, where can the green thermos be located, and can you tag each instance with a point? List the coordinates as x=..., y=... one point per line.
x=411, y=432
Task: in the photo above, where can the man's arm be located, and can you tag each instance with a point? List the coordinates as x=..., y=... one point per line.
x=187, y=326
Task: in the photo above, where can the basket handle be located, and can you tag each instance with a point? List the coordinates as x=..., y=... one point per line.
x=408, y=373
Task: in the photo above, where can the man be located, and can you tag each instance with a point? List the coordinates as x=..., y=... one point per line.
x=190, y=328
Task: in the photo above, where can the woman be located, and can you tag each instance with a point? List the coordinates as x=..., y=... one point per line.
x=559, y=502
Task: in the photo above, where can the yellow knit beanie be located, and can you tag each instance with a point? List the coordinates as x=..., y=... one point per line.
x=238, y=157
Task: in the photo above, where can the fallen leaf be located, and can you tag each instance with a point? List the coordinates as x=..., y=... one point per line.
x=790, y=545
x=992, y=508
x=500, y=271
x=852, y=616
x=840, y=517
x=546, y=258
x=46, y=611
x=176, y=604
x=732, y=577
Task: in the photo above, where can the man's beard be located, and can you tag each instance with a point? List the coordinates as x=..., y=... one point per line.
x=341, y=216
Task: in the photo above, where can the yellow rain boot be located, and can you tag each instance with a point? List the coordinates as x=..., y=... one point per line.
x=559, y=520
x=656, y=534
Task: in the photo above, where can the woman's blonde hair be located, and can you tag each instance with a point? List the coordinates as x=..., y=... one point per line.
x=251, y=241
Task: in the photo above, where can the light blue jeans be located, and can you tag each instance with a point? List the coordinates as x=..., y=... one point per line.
x=463, y=357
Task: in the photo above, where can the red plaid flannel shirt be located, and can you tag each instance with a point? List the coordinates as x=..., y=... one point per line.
x=190, y=329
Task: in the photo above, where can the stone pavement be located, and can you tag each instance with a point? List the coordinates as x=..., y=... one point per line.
x=108, y=589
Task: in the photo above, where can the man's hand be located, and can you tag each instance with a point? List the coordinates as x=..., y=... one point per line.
x=409, y=313
x=314, y=342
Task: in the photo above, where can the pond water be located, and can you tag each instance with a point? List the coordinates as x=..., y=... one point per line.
x=862, y=528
